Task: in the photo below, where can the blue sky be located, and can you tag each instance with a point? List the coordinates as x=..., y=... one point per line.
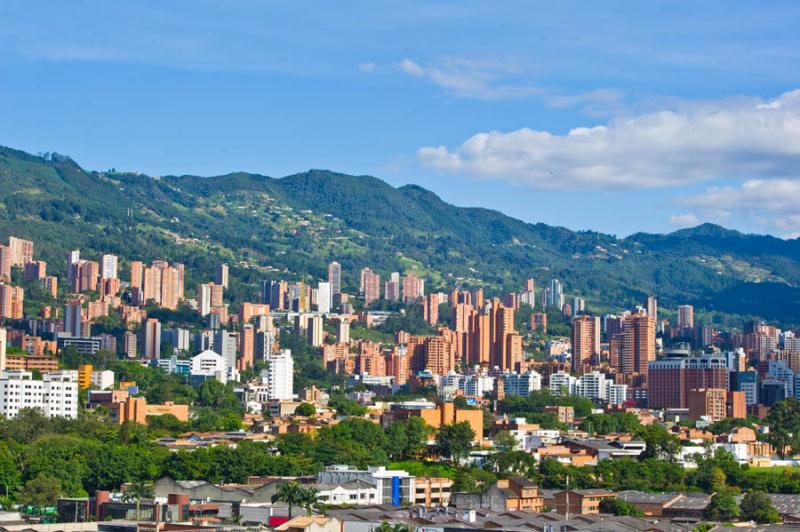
x=613, y=116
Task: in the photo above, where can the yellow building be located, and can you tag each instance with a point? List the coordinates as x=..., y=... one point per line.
x=85, y=376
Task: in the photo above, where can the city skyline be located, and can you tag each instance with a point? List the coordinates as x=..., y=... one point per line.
x=568, y=115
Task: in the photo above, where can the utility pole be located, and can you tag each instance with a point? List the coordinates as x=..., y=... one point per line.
x=567, y=496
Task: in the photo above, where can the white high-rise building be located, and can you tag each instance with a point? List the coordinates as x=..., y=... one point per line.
x=108, y=267
x=315, y=330
x=343, y=331
x=3, y=344
x=592, y=385
x=521, y=384
x=556, y=294
x=324, y=297
x=578, y=305
x=280, y=375
x=209, y=364
x=562, y=383
x=56, y=395
x=204, y=299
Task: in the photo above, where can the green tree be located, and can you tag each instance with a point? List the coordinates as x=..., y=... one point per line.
x=290, y=493
x=10, y=475
x=504, y=441
x=617, y=506
x=310, y=500
x=659, y=443
x=137, y=491
x=757, y=506
x=455, y=441
x=42, y=490
x=305, y=409
x=722, y=507
x=784, y=423
x=214, y=394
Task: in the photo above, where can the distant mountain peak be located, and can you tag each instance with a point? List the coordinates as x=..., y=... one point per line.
x=705, y=229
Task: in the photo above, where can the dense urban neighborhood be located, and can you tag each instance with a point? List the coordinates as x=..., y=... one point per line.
x=365, y=400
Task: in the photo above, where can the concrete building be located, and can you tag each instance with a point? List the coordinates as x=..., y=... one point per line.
x=280, y=375
x=56, y=395
x=394, y=487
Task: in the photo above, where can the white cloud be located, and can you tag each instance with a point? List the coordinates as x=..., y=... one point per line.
x=740, y=139
x=478, y=79
x=771, y=203
x=411, y=68
x=367, y=67
x=682, y=221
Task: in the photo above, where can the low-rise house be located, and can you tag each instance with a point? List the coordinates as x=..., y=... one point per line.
x=355, y=492
x=432, y=492
x=503, y=495
x=581, y=502
x=650, y=504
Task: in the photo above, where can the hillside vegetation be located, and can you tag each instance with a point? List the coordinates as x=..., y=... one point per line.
x=292, y=226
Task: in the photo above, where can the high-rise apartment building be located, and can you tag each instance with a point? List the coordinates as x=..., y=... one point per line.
x=685, y=317
x=555, y=296
x=314, y=330
x=639, y=344
x=35, y=270
x=73, y=259
x=73, y=318
x=335, y=278
x=324, y=297
x=136, y=273
x=6, y=262
x=12, y=299
x=343, y=330
x=108, y=269
x=652, y=307
x=413, y=289
x=371, y=286
x=280, y=376
x=21, y=250
x=222, y=276
x=391, y=290
x=585, y=339
x=152, y=338
x=246, y=347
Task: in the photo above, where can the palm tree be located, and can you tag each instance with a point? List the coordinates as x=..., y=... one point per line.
x=291, y=493
x=137, y=491
x=310, y=500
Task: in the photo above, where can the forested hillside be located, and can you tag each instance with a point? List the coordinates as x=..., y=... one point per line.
x=291, y=227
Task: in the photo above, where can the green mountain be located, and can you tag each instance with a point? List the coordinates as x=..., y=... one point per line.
x=292, y=226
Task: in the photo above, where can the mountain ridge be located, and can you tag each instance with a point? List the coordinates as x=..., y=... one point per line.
x=292, y=226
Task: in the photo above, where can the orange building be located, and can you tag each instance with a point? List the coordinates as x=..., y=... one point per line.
x=397, y=365
x=88, y=272
x=447, y=414
x=42, y=363
x=585, y=338
x=251, y=310
x=521, y=495
x=639, y=344
x=581, y=502
x=12, y=299
x=246, y=347
x=136, y=410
